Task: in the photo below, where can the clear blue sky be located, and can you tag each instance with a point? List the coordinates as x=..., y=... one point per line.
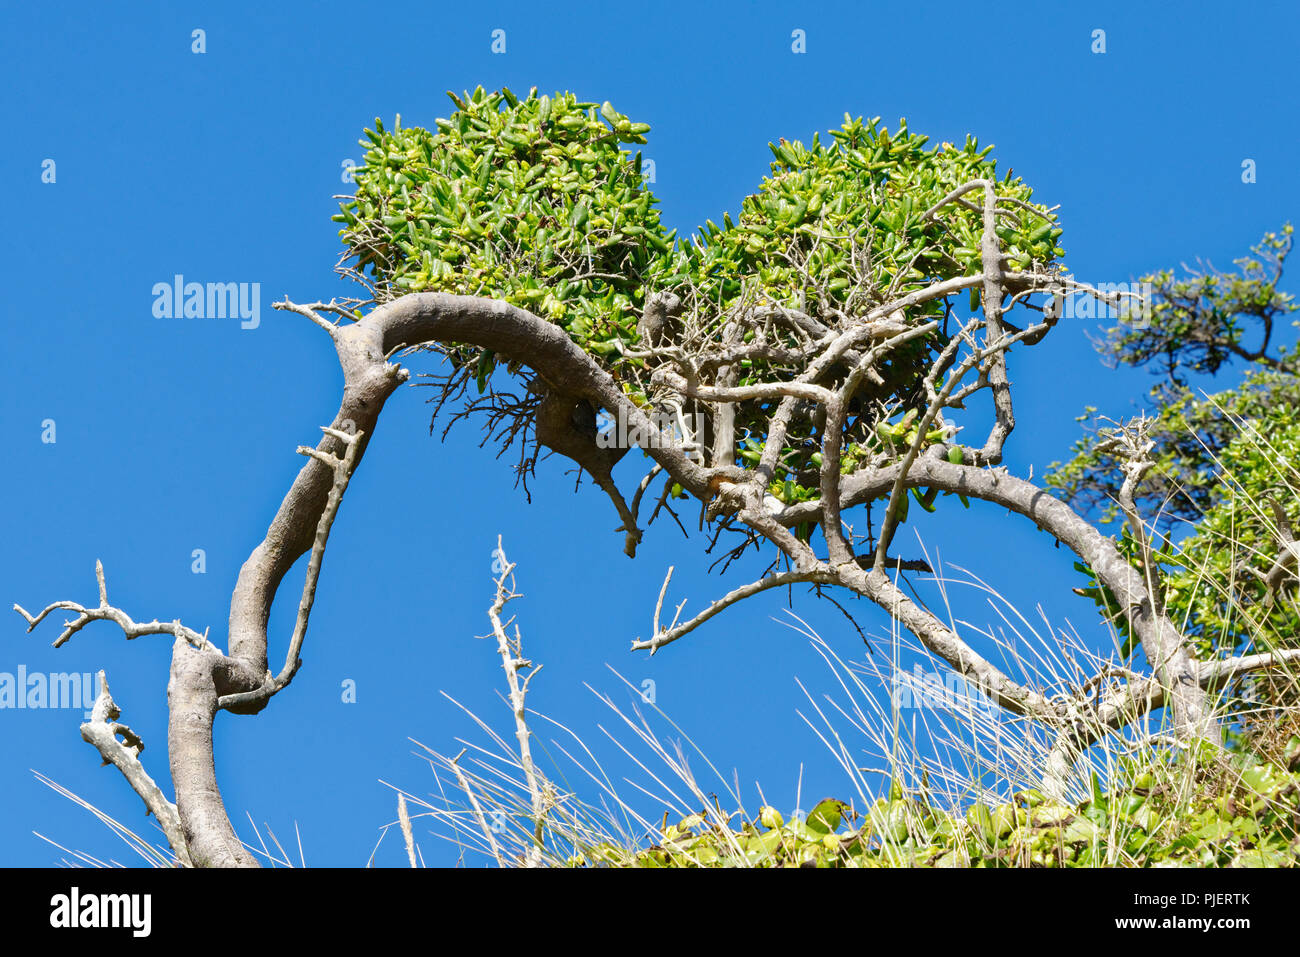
x=174, y=435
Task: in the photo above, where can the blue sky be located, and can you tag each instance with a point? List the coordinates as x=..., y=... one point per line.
x=175, y=435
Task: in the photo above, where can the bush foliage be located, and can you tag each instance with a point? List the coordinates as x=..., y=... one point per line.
x=1201, y=809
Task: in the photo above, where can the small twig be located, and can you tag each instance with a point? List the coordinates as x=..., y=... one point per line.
x=106, y=612
x=662, y=592
x=780, y=580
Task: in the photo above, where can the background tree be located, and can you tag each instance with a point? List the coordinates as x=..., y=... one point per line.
x=820, y=339
x=1201, y=324
x=1222, y=482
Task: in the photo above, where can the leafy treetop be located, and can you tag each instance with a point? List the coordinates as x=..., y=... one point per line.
x=535, y=200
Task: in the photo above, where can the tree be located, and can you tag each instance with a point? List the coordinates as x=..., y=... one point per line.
x=808, y=359
x=1198, y=324
x=1222, y=480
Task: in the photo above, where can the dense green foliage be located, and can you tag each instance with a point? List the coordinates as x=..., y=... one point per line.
x=533, y=201
x=536, y=201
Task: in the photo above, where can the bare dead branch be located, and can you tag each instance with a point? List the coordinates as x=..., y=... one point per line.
x=106, y=612
x=669, y=635
x=514, y=663
x=102, y=731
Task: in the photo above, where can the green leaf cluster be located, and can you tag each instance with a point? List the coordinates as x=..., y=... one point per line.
x=532, y=200
x=857, y=205
x=536, y=200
